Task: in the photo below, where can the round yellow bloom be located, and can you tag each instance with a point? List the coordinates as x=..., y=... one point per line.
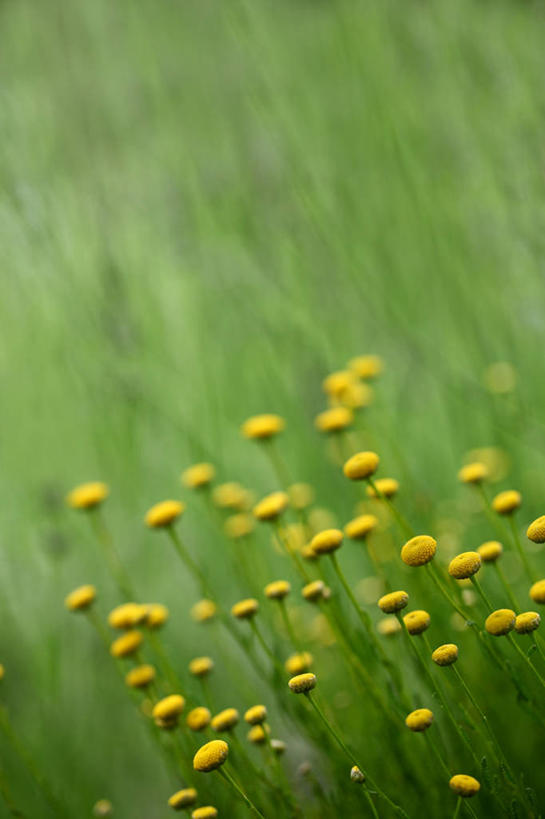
x=308, y=553
x=272, y=506
x=169, y=708
x=260, y=427
x=301, y=495
x=256, y=715
x=537, y=592
x=277, y=590
x=302, y=683
x=360, y=527
x=157, y=615
x=500, y=622
x=356, y=775
x=198, y=475
x=2, y=671
x=327, y=541
x=388, y=487
x=366, y=366
x=183, y=799
x=464, y=785
x=361, y=466
x=536, y=530
x=81, y=598
x=490, y=551
x=239, y=525
x=258, y=734
x=334, y=419
x=507, y=502
x=230, y=495
x=164, y=513
x=203, y=610
x=394, y=601
x=419, y=550
x=127, y=615
x=225, y=720
x=206, y=812
x=127, y=644
x=313, y=591
x=245, y=609
x=336, y=383
x=446, y=654
x=299, y=663
x=87, y=495
x=198, y=718
x=210, y=756
x=201, y=666
x=140, y=677
x=465, y=565
x=278, y=746
x=357, y=396
x=527, y=621
x=473, y=473
x=103, y=808
x=388, y=626
x=419, y=720
x=416, y=621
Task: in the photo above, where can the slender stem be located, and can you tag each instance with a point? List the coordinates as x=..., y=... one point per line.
x=457, y=808
x=188, y=560
x=506, y=587
x=227, y=776
x=167, y=669
x=276, y=662
x=532, y=576
x=538, y=645
x=277, y=462
x=403, y=524
x=293, y=553
x=111, y=555
x=98, y=625
x=432, y=572
x=526, y=659
x=481, y=593
x=289, y=627
x=437, y=753
x=372, y=807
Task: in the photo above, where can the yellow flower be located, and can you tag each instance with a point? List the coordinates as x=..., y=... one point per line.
x=446, y=654
x=336, y=383
x=203, y=610
x=419, y=550
x=490, y=551
x=356, y=775
x=357, y=396
x=419, y=720
x=308, y=553
x=298, y=663
x=183, y=799
x=245, y=609
x=537, y=592
x=260, y=427
x=313, y=591
x=327, y=541
x=360, y=527
x=256, y=715
x=302, y=683
x=127, y=615
x=87, y=495
x=464, y=785
x=394, y=601
x=103, y=808
x=225, y=720
x=416, y=621
x=271, y=506
x=258, y=734
x=230, y=495
x=388, y=626
x=334, y=419
x=464, y=565
x=536, y=530
x=140, y=677
x=198, y=718
x=239, y=525
x=164, y=513
x=277, y=590
x=2, y=671
x=361, y=466
x=500, y=622
x=81, y=598
x=507, y=502
x=201, y=666
x=366, y=366
x=500, y=377
x=210, y=756
x=169, y=708
x=473, y=473
x=206, y=812
x=198, y=475
x=385, y=486
x=301, y=495
x=156, y=616
x=127, y=644
x=527, y=621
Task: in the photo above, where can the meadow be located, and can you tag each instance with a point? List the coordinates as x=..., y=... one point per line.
x=205, y=210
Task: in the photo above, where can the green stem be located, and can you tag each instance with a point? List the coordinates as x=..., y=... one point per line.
x=296, y=643
x=403, y=524
x=277, y=462
x=111, y=556
x=506, y=587
x=236, y=787
x=526, y=659
x=481, y=593
x=532, y=576
x=166, y=667
x=538, y=645
x=458, y=808
x=276, y=662
x=188, y=560
x=293, y=553
x=370, y=802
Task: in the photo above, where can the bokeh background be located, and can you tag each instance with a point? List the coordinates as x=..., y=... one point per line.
x=205, y=208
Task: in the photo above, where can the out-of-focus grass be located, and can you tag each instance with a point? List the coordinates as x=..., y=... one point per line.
x=204, y=208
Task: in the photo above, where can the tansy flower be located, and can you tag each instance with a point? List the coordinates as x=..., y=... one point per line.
x=500, y=622
x=225, y=720
x=446, y=654
x=206, y=812
x=260, y=427
x=2, y=671
x=127, y=615
x=419, y=550
x=336, y=383
x=258, y=734
x=357, y=396
x=419, y=720
x=537, y=592
x=490, y=551
x=301, y=495
x=164, y=513
x=239, y=525
x=464, y=565
x=211, y=756
x=388, y=626
x=203, y=610
x=103, y=808
x=464, y=785
x=87, y=495
x=278, y=746
x=473, y=473
x=527, y=621
x=127, y=644
x=298, y=663
x=156, y=616
x=201, y=666
x=388, y=487
x=360, y=527
x=271, y=506
x=169, y=708
x=308, y=553
x=361, y=466
x=198, y=475
x=394, y=601
x=334, y=419
x=198, y=718
x=366, y=366
x=507, y=502
x=416, y=621
x=183, y=799
x=277, y=590
x=256, y=715
x=140, y=677
x=302, y=683
x=536, y=530
x=245, y=609
x=356, y=775
x=313, y=591
x=327, y=541
x=81, y=598
x=230, y=495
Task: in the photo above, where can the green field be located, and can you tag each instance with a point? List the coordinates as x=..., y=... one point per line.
x=205, y=208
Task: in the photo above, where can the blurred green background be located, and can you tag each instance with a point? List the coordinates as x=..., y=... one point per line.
x=205, y=207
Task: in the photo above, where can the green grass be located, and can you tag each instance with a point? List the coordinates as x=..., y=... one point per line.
x=205, y=207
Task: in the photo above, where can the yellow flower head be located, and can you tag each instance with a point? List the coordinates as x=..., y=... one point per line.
x=301, y=495
x=361, y=466
x=277, y=590
x=419, y=720
x=327, y=541
x=394, y=601
x=313, y=591
x=388, y=626
x=490, y=551
x=211, y=756
x=271, y=506
x=127, y=644
x=169, y=708
x=336, y=383
x=164, y=513
x=446, y=654
x=500, y=377
x=416, y=621
x=127, y=615
x=2, y=671
x=302, y=683
x=334, y=419
x=157, y=615
x=81, y=598
x=298, y=663
x=225, y=720
x=500, y=622
x=360, y=527
x=258, y=734
x=183, y=799
x=239, y=525
x=245, y=609
x=527, y=621
x=198, y=718
x=473, y=473
x=507, y=502
x=537, y=592
x=464, y=565
x=87, y=495
x=140, y=677
x=419, y=550
x=260, y=427
x=536, y=530
x=198, y=475
x=256, y=715
x=464, y=785
x=206, y=812
x=356, y=775
x=203, y=610
x=308, y=553
x=230, y=495
x=103, y=808
x=201, y=666
x=357, y=396
x=388, y=487
x=366, y=366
